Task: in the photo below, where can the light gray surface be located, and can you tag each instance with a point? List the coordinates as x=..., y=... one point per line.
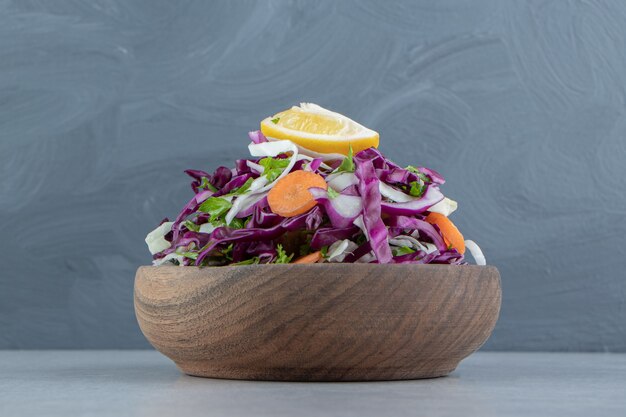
x=144, y=383
x=520, y=104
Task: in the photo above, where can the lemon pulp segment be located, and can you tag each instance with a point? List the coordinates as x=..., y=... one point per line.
x=319, y=130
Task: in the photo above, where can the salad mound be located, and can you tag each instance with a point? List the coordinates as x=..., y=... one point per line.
x=305, y=196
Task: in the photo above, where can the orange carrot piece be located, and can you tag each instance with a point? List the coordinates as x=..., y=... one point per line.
x=311, y=258
x=290, y=195
x=451, y=234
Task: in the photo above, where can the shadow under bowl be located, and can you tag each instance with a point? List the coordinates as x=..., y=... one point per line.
x=318, y=322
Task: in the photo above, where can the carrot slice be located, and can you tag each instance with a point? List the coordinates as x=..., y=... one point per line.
x=451, y=234
x=290, y=195
x=311, y=258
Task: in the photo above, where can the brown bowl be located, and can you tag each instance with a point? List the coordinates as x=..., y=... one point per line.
x=318, y=322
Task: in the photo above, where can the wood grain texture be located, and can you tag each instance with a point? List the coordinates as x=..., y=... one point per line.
x=320, y=322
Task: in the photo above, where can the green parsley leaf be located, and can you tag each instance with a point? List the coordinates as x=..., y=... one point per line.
x=245, y=187
x=217, y=222
x=304, y=249
x=332, y=193
x=216, y=207
x=402, y=250
x=360, y=239
x=273, y=167
x=281, y=256
x=236, y=223
x=324, y=251
x=206, y=185
x=192, y=226
x=252, y=261
x=190, y=255
x=272, y=174
x=347, y=165
x=276, y=120
x=420, y=174
x=416, y=189
x=228, y=252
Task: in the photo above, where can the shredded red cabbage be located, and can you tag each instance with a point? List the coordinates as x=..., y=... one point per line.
x=377, y=225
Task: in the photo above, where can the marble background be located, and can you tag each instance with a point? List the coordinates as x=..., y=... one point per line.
x=520, y=104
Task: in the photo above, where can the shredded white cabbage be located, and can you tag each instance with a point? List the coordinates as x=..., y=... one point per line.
x=368, y=257
x=394, y=194
x=429, y=247
x=348, y=206
x=239, y=203
x=257, y=184
x=340, y=249
x=412, y=242
x=405, y=241
x=251, y=200
x=339, y=181
x=156, y=239
x=358, y=222
x=255, y=167
x=206, y=228
x=445, y=207
x=169, y=257
x=312, y=154
x=273, y=149
x=476, y=252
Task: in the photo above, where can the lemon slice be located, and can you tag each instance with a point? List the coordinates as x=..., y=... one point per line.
x=313, y=127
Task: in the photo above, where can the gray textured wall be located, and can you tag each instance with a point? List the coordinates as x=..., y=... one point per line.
x=103, y=104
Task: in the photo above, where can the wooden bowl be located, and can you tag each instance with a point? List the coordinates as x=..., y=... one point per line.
x=318, y=322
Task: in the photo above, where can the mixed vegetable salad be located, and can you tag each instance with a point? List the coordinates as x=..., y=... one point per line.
x=291, y=203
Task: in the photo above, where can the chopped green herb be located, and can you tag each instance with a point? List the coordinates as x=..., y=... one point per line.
x=305, y=247
x=273, y=167
x=281, y=255
x=190, y=255
x=228, y=252
x=252, y=261
x=245, y=223
x=416, y=189
x=347, y=165
x=420, y=174
x=402, y=250
x=192, y=226
x=332, y=193
x=245, y=187
x=217, y=222
x=236, y=223
x=206, y=185
x=324, y=252
x=216, y=207
x=304, y=250
x=276, y=120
